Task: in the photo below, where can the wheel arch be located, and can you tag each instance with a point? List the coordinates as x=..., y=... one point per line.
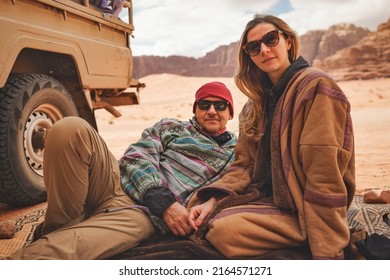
x=62, y=67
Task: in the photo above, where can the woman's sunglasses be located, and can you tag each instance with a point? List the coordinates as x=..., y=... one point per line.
x=205, y=105
x=271, y=39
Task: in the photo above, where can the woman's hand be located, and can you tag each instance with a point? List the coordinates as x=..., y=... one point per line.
x=200, y=212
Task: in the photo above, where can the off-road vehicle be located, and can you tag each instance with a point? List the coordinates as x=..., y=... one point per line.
x=58, y=58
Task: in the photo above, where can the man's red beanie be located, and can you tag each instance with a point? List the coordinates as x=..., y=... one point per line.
x=214, y=89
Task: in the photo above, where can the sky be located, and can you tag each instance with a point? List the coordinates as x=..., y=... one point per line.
x=193, y=28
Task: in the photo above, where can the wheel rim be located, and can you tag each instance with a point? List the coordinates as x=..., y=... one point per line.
x=44, y=117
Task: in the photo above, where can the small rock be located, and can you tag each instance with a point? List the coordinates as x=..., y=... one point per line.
x=377, y=196
x=7, y=229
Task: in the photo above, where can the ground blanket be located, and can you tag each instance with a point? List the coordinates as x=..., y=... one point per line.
x=366, y=219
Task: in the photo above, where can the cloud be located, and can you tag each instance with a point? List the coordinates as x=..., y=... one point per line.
x=193, y=28
x=190, y=28
x=321, y=14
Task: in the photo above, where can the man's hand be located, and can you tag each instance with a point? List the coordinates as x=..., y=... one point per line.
x=176, y=218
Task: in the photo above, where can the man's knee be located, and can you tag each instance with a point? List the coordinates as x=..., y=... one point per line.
x=68, y=124
x=65, y=130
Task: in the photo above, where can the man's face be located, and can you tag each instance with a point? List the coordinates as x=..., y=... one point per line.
x=211, y=120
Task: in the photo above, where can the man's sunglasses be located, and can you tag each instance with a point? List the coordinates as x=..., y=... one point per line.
x=271, y=39
x=205, y=105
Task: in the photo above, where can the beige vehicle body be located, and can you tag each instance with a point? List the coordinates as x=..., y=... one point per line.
x=57, y=58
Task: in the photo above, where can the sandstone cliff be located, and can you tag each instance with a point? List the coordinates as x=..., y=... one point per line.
x=367, y=59
x=219, y=63
x=320, y=44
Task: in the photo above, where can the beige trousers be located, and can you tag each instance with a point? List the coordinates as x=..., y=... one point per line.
x=88, y=214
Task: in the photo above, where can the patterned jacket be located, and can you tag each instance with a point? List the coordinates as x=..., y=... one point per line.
x=176, y=157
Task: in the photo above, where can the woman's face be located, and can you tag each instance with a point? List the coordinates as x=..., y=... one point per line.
x=272, y=60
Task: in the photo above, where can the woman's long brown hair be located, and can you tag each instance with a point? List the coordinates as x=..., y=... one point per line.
x=248, y=77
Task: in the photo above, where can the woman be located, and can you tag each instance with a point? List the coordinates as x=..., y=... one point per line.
x=294, y=160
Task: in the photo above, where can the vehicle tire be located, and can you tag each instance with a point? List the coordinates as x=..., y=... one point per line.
x=27, y=102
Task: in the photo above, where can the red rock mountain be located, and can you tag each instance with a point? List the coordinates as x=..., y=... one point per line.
x=345, y=51
x=368, y=59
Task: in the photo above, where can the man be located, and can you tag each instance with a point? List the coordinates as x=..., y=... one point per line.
x=97, y=209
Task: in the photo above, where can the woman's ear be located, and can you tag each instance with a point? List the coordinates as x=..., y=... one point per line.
x=289, y=43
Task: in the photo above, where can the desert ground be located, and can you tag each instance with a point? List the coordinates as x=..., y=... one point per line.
x=167, y=95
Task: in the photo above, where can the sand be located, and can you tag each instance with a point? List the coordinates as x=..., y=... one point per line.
x=169, y=95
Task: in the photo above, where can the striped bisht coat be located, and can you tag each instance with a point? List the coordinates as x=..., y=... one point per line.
x=313, y=175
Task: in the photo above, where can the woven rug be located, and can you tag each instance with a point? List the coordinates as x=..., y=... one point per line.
x=369, y=217
x=361, y=216
x=25, y=226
